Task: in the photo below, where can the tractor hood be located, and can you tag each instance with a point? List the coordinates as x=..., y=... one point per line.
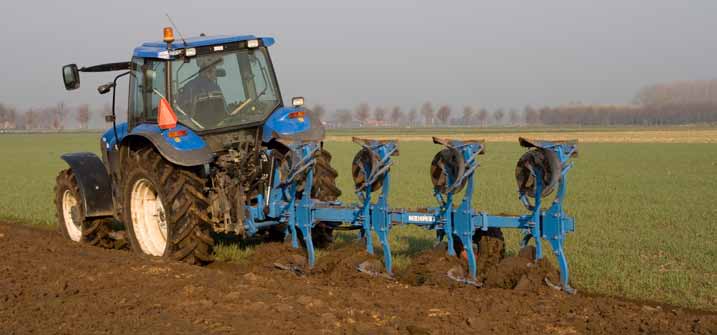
x=291, y=124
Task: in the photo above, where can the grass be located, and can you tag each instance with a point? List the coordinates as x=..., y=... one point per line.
x=645, y=212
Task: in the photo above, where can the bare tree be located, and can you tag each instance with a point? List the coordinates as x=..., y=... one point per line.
x=362, y=112
x=531, y=115
x=498, y=115
x=444, y=113
x=467, y=115
x=482, y=116
x=379, y=114
x=319, y=111
x=412, y=116
x=46, y=117
x=59, y=113
x=83, y=115
x=344, y=117
x=8, y=117
x=31, y=119
x=106, y=110
x=427, y=113
x=514, y=116
x=396, y=115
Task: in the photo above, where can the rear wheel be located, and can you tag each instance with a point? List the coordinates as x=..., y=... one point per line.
x=491, y=243
x=71, y=215
x=323, y=188
x=166, y=210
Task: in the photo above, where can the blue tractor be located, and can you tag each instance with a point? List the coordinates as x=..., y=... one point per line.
x=208, y=147
x=205, y=131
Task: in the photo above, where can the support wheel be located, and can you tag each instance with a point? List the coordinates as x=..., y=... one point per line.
x=71, y=220
x=166, y=209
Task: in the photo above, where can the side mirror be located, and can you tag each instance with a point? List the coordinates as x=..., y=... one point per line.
x=71, y=77
x=297, y=101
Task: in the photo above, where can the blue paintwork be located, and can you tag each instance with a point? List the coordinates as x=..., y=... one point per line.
x=280, y=123
x=108, y=137
x=190, y=141
x=158, y=49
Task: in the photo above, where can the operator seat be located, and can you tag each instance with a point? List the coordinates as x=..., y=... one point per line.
x=209, y=109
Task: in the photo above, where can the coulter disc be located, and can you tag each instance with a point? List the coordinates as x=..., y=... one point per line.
x=364, y=163
x=447, y=166
x=538, y=159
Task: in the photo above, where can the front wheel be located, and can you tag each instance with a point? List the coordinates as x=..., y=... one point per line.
x=71, y=219
x=165, y=210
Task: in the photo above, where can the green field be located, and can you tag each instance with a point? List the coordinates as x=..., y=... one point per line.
x=646, y=213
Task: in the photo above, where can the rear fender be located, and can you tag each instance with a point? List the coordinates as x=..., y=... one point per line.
x=285, y=127
x=94, y=182
x=186, y=150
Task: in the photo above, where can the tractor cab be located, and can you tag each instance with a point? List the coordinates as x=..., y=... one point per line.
x=205, y=83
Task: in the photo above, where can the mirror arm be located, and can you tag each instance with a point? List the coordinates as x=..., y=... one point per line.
x=114, y=95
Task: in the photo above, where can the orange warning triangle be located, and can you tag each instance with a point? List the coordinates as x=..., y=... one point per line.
x=165, y=116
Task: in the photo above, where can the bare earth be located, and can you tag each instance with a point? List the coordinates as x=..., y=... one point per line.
x=619, y=136
x=49, y=285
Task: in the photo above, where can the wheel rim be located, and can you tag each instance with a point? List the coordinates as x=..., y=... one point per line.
x=69, y=203
x=148, y=218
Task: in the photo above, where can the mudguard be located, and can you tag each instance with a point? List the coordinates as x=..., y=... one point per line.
x=94, y=182
x=284, y=126
x=186, y=150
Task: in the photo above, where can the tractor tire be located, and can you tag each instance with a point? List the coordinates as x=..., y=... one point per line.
x=325, y=175
x=71, y=220
x=165, y=209
x=99, y=233
x=324, y=189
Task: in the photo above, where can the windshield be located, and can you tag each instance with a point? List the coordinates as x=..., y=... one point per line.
x=224, y=89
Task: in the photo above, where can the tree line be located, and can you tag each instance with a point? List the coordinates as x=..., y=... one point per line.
x=58, y=117
x=681, y=102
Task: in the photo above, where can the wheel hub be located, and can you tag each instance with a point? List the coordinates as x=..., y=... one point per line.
x=149, y=220
x=71, y=215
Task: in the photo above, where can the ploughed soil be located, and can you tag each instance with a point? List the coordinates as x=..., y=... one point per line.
x=49, y=285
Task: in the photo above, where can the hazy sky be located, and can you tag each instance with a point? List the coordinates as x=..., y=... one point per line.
x=341, y=53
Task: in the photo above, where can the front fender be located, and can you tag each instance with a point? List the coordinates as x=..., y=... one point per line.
x=186, y=150
x=94, y=182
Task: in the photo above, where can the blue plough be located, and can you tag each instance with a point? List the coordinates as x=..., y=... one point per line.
x=543, y=167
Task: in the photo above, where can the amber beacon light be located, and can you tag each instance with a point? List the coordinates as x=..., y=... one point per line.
x=168, y=35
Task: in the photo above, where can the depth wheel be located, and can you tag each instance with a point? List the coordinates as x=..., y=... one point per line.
x=165, y=210
x=71, y=220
